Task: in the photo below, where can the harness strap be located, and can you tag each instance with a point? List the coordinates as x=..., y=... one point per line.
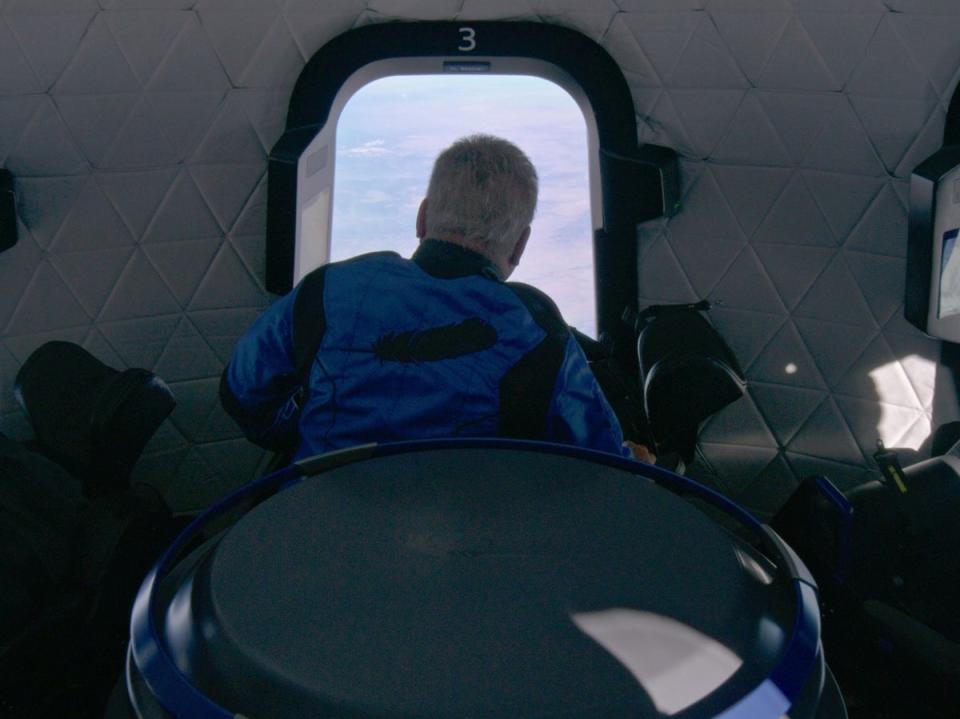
x=309, y=324
x=310, y=321
x=526, y=390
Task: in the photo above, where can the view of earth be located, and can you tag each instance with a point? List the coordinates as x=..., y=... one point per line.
x=392, y=129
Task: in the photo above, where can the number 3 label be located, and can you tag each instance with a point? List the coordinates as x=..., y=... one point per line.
x=469, y=37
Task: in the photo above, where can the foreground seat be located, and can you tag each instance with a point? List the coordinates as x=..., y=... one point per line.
x=687, y=371
x=76, y=536
x=886, y=555
x=477, y=578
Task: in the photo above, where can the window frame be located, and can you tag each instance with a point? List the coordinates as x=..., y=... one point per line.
x=628, y=183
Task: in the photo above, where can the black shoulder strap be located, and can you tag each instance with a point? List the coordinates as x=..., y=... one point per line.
x=543, y=309
x=527, y=387
x=309, y=322
x=309, y=317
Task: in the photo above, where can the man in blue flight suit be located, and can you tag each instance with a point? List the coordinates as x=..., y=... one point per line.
x=380, y=348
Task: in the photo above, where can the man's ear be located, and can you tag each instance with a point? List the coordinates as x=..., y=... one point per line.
x=422, y=220
x=519, y=248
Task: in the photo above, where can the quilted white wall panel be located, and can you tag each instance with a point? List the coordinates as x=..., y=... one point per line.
x=138, y=131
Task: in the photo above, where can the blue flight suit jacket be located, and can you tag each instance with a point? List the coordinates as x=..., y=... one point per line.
x=381, y=348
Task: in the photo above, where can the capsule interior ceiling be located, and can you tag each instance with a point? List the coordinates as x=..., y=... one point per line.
x=138, y=133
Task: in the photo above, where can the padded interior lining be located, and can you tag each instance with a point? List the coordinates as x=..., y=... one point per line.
x=138, y=130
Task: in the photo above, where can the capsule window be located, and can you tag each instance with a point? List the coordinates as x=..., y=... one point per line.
x=391, y=130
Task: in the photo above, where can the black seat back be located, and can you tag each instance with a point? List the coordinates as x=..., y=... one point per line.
x=90, y=418
x=76, y=538
x=687, y=372
x=69, y=570
x=886, y=558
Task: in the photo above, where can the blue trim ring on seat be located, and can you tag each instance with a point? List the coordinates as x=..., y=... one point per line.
x=771, y=699
x=171, y=688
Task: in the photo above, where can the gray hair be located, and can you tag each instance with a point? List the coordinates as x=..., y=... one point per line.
x=484, y=189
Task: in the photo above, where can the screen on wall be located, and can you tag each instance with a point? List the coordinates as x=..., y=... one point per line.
x=932, y=289
x=949, y=299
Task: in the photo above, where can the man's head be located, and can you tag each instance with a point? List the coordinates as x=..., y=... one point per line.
x=482, y=195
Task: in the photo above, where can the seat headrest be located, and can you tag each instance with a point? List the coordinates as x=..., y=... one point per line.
x=687, y=371
x=90, y=418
